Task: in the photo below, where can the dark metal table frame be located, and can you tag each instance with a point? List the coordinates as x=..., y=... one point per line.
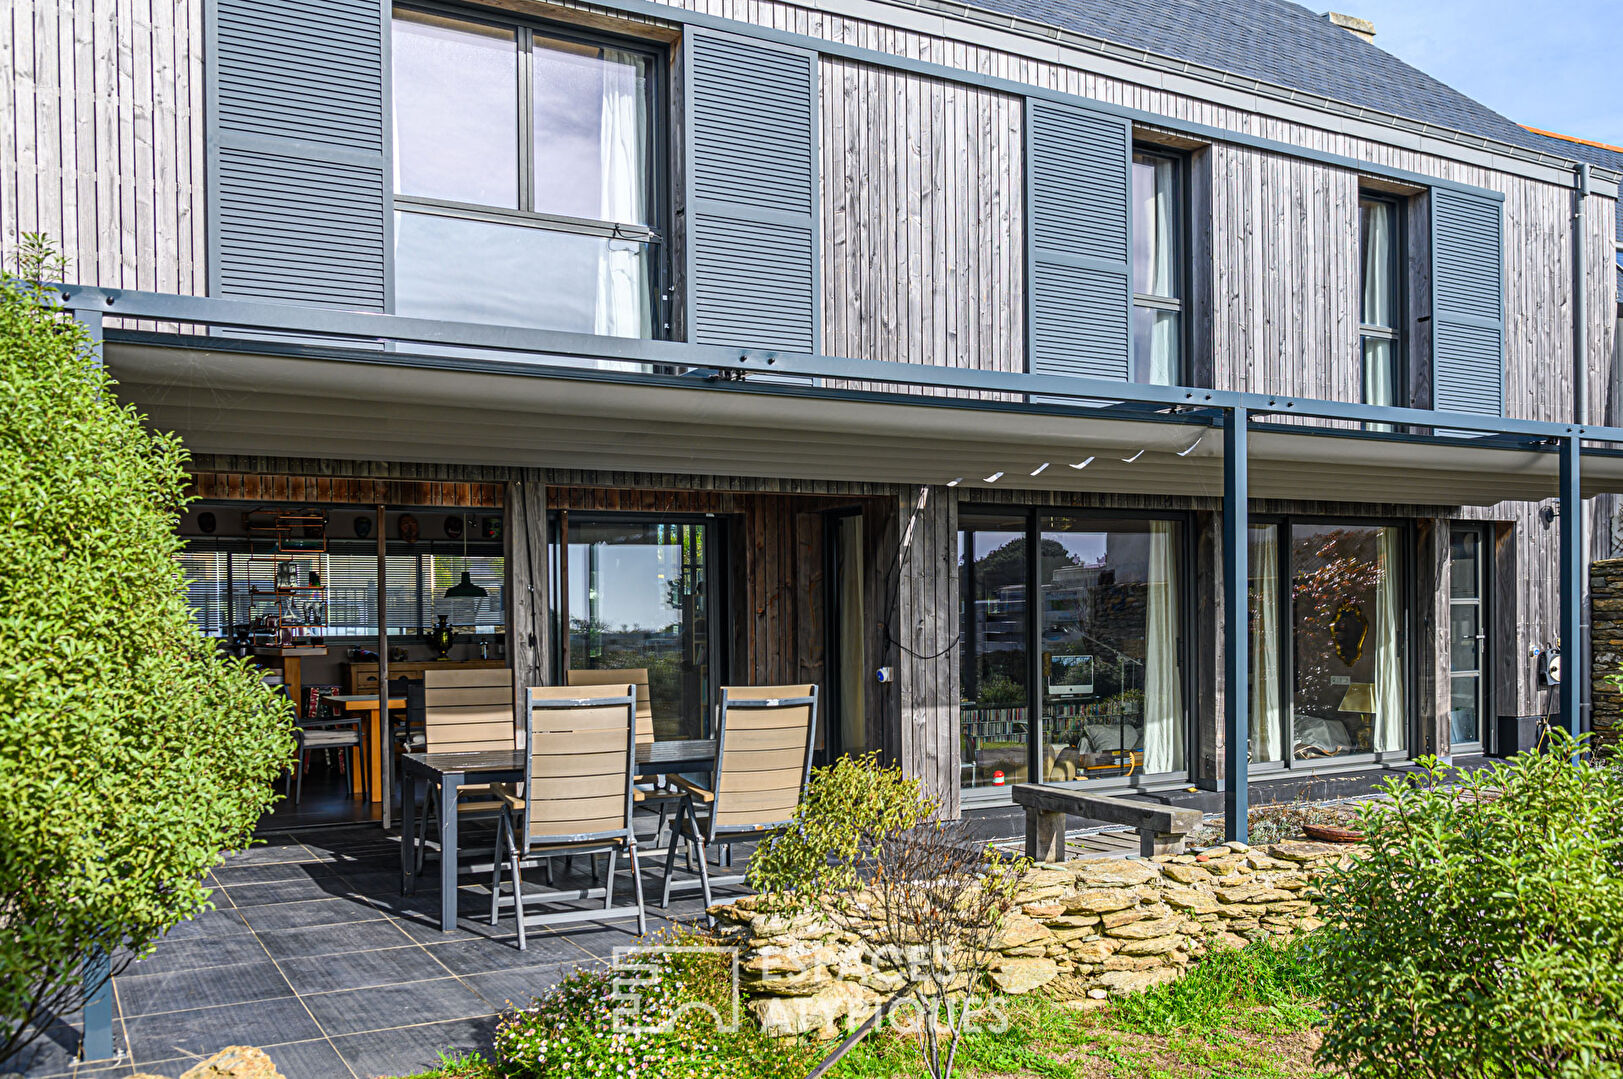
x=452, y=771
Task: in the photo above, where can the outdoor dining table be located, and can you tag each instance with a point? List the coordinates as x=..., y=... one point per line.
x=452, y=771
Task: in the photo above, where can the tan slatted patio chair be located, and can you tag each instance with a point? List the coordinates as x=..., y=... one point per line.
x=576, y=798
x=764, y=741
x=646, y=795
x=465, y=712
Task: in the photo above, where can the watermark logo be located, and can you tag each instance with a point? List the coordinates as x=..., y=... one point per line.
x=642, y=1006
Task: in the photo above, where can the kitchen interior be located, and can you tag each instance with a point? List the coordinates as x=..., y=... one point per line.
x=294, y=589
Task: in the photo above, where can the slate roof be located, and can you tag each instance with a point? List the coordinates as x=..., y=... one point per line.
x=1608, y=157
x=1277, y=42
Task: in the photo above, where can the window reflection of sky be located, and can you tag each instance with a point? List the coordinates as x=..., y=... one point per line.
x=455, y=110
x=476, y=271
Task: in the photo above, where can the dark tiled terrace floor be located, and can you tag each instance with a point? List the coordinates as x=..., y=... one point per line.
x=314, y=956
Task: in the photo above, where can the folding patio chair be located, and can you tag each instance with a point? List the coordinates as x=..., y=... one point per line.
x=764, y=741
x=576, y=799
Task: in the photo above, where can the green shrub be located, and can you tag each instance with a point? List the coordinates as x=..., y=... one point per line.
x=1482, y=934
x=131, y=753
x=848, y=806
x=570, y=1032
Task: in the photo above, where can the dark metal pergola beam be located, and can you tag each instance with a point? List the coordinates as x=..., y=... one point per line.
x=1236, y=627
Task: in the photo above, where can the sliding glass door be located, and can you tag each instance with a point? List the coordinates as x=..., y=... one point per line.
x=995, y=714
x=1332, y=681
x=1073, y=647
x=1111, y=681
x=640, y=593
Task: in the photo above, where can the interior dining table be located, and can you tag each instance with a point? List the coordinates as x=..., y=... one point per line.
x=452, y=771
x=367, y=703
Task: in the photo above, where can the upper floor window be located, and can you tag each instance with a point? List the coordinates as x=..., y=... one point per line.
x=1380, y=299
x=523, y=179
x=1159, y=276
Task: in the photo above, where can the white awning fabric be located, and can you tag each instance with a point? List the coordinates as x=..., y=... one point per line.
x=244, y=402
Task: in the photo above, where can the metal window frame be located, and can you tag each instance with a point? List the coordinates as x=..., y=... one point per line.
x=1184, y=231
x=1031, y=515
x=1399, y=277
x=656, y=154
x=1488, y=691
x=719, y=614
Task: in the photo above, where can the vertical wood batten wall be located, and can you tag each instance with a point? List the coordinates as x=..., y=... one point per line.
x=101, y=138
x=923, y=235
x=926, y=632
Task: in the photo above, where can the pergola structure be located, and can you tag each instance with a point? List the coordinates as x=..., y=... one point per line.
x=574, y=400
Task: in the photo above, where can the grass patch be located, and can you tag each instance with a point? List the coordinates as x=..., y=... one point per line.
x=1269, y=986
x=1239, y=1014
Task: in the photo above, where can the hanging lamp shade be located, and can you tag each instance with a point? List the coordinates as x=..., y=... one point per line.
x=466, y=589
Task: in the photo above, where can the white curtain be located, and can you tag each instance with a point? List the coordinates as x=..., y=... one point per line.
x=1377, y=304
x=622, y=297
x=1267, y=741
x=1388, y=660
x=1163, y=696
x=1162, y=281
x=1377, y=307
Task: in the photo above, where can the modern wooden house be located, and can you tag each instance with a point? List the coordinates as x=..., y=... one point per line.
x=1129, y=394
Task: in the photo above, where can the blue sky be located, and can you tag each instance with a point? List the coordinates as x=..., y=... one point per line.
x=1554, y=66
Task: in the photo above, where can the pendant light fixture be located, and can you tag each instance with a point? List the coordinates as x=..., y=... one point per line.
x=465, y=588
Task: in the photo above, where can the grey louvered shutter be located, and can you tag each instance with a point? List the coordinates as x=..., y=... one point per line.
x=299, y=183
x=1468, y=324
x=750, y=254
x=1078, y=241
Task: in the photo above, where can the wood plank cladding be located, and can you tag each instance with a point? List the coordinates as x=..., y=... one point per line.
x=101, y=138
x=923, y=222
x=343, y=490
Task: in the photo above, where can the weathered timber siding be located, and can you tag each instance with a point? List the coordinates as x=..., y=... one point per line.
x=923, y=235
x=101, y=138
x=927, y=638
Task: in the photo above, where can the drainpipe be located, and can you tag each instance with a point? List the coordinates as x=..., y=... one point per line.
x=1577, y=665
x=1580, y=304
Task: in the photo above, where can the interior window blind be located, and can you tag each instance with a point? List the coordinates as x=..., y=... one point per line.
x=218, y=579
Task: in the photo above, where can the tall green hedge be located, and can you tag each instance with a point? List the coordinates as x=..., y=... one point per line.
x=131, y=751
x=1481, y=937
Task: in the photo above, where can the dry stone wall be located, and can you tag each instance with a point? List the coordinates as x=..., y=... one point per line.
x=1082, y=930
x=1606, y=649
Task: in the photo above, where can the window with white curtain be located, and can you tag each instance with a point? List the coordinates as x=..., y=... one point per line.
x=523, y=171
x=1380, y=301
x=1159, y=277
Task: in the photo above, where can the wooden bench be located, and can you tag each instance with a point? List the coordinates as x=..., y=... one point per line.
x=1161, y=829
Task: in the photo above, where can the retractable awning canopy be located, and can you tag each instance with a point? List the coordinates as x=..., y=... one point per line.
x=231, y=400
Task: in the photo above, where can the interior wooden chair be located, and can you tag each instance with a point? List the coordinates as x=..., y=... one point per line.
x=465, y=712
x=764, y=741
x=649, y=796
x=576, y=799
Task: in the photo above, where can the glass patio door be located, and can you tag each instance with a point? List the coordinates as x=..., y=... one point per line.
x=639, y=594
x=1466, y=638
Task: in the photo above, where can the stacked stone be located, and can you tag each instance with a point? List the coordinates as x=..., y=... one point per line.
x=1606, y=650
x=1082, y=930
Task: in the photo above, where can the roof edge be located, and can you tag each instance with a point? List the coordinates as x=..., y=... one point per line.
x=1572, y=138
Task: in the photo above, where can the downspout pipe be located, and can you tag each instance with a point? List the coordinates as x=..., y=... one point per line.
x=1580, y=298
x=1578, y=662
